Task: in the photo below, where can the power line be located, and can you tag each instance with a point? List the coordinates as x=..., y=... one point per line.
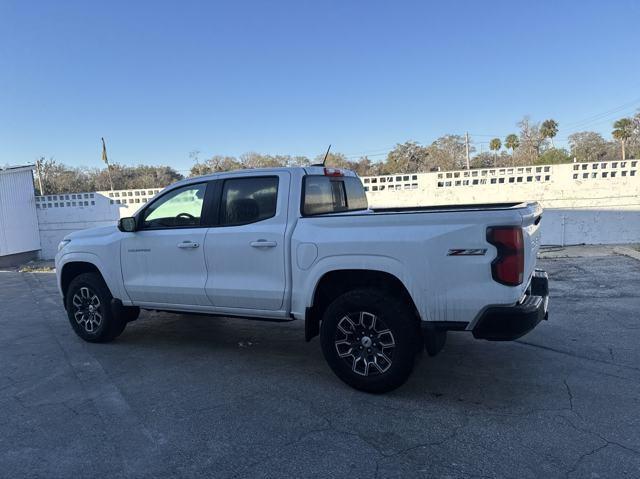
x=609, y=119
x=576, y=126
x=597, y=116
x=594, y=119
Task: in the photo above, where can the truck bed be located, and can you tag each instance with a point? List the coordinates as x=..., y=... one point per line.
x=414, y=244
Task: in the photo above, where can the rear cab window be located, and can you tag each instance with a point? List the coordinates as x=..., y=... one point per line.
x=324, y=194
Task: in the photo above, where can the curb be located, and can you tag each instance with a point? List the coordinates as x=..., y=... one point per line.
x=631, y=253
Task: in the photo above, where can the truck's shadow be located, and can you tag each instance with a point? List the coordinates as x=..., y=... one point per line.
x=496, y=376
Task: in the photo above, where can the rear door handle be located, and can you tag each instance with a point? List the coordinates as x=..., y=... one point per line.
x=263, y=244
x=188, y=245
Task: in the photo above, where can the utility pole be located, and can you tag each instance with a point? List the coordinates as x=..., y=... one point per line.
x=39, y=175
x=466, y=144
x=109, y=173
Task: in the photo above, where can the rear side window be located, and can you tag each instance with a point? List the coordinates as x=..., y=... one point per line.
x=325, y=194
x=248, y=200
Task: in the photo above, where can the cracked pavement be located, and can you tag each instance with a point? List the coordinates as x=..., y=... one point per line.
x=227, y=398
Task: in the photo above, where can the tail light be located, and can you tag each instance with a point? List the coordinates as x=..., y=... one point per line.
x=508, y=267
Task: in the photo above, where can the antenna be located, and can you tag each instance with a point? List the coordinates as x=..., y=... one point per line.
x=325, y=158
x=325, y=155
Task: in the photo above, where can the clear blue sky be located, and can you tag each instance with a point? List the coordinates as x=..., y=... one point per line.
x=160, y=79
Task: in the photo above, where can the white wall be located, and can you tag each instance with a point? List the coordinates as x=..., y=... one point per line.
x=18, y=221
x=59, y=215
x=591, y=203
x=590, y=226
x=613, y=183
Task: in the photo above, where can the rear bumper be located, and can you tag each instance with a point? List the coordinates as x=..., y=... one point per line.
x=506, y=323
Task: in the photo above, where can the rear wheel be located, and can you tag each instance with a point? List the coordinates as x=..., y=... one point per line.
x=370, y=339
x=88, y=302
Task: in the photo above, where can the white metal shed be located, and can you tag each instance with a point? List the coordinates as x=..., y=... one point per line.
x=19, y=232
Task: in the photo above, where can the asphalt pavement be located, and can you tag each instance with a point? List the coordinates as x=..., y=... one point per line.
x=210, y=397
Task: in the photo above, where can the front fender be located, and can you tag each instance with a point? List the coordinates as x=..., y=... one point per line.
x=112, y=276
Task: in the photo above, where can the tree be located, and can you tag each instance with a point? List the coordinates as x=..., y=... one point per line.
x=554, y=156
x=407, y=157
x=298, y=161
x=494, y=145
x=365, y=167
x=132, y=177
x=549, y=129
x=589, y=146
x=484, y=160
x=531, y=142
x=334, y=160
x=59, y=178
x=512, y=142
x=216, y=164
x=448, y=152
x=633, y=145
x=623, y=130
x=256, y=160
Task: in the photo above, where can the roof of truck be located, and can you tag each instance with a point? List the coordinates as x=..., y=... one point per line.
x=307, y=170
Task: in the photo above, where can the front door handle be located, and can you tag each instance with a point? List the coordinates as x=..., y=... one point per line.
x=263, y=244
x=188, y=245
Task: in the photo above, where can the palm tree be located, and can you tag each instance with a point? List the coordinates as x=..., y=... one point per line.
x=623, y=129
x=495, y=145
x=549, y=129
x=512, y=142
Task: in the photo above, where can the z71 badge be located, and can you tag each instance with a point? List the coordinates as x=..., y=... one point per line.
x=467, y=252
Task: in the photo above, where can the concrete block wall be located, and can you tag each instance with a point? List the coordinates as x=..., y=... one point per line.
x=568, y=185
x=590, y=203
x=59, y=215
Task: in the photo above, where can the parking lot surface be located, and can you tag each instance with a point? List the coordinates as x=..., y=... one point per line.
x=210, y=397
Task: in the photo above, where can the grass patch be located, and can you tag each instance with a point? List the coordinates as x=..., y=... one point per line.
x=37, y=267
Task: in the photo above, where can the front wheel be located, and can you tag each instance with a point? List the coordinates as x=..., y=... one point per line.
x=88, y=302
x=370, y=338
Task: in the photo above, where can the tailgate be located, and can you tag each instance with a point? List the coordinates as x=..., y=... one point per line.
x=531, y=222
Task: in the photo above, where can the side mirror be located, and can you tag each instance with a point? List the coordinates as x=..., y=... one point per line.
x=128, y=224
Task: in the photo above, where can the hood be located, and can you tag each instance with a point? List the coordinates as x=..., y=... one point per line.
x=92, y=232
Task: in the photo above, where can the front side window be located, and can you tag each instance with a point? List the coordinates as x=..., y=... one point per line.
x=248, y=200
x=180, y=208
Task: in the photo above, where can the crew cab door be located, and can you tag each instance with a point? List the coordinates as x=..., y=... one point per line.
x=163, y=260
x=245, y=251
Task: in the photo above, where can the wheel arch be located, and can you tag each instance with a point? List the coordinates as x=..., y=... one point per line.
x=72, y=269
x=338, y=281
x=104, y=264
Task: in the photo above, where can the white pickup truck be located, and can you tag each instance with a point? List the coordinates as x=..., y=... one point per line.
x=301, y=243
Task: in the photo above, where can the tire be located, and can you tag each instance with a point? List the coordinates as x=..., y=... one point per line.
x=88, y=302
x=370, y=339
